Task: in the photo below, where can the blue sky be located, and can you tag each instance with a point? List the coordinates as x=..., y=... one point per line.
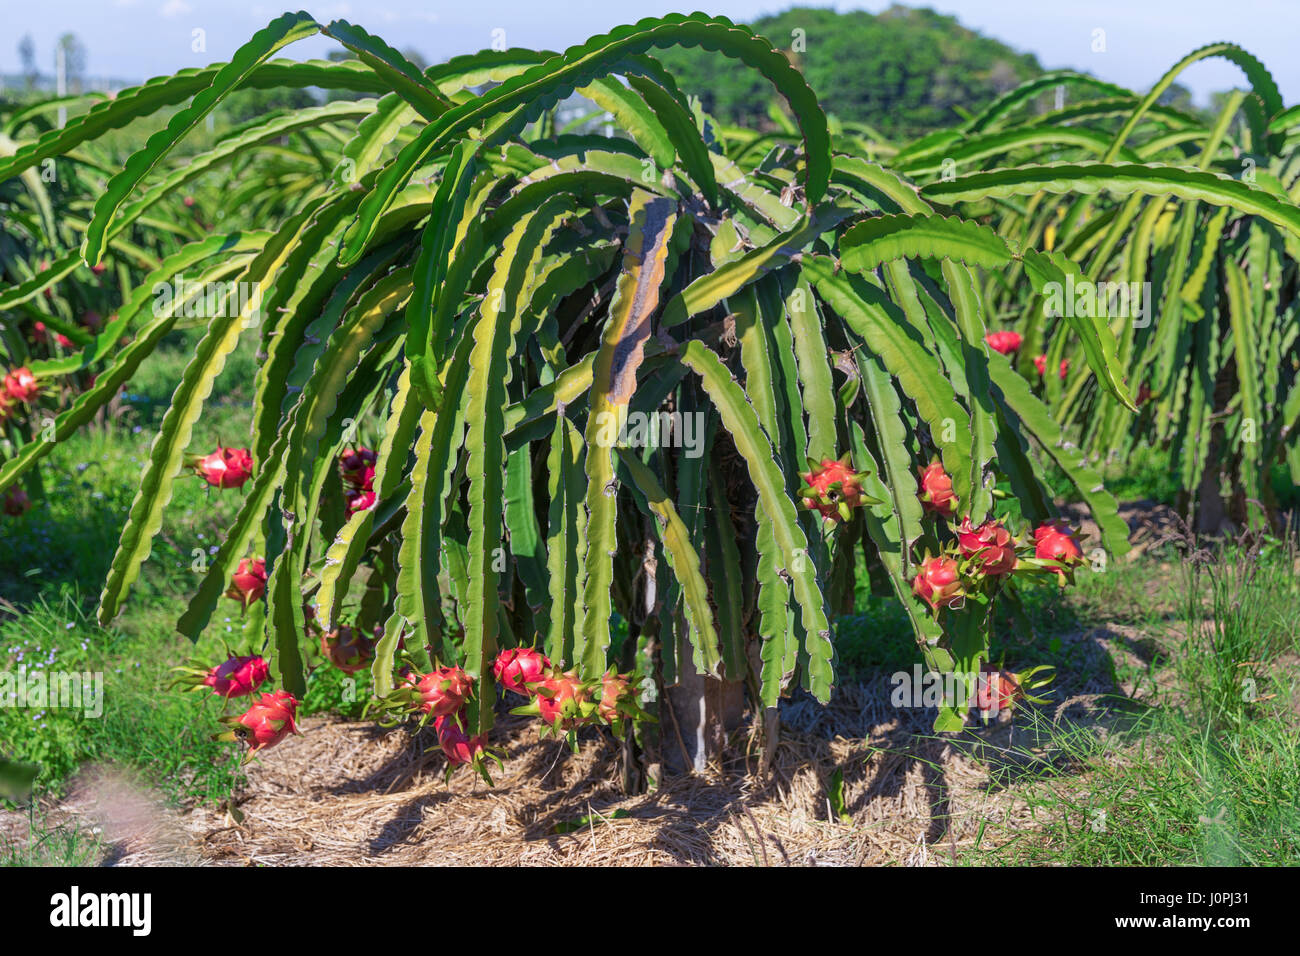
x=136, y=39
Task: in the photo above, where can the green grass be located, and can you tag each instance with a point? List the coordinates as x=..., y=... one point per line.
x=47, y=844
x=1207, y=771
x=51, y=570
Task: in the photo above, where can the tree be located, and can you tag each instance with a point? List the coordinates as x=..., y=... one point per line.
x=27, y=54
x=903, y=71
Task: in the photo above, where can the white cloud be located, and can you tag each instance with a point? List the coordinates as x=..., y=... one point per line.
x=175, y=8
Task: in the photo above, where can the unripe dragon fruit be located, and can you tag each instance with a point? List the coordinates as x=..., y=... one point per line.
x=248, y=583
x=938, y=583
x=265, y=723
x=444, y=690
x=991, y=542
x=21, y=385
x=516, y=668
x=833, y=488
x=618, y=699
x=1004, y=342
x=225, y=467
x=935, y=490
x=347, y=648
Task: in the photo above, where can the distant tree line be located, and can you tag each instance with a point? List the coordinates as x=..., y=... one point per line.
x=904, y=71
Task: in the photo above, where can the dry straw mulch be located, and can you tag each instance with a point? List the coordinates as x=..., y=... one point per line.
x=352, y=794
x=348, y=793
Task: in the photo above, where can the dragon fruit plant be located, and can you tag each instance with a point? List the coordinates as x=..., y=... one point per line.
x=496, y=305
x=1186, y=233
x=60, y=320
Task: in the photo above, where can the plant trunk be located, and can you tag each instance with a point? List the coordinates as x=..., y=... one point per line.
x=1210, y=513
x=698, y=714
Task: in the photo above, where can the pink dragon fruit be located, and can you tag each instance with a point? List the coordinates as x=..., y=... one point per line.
x=225, y=467
x=265, y=723
x=444, y=690
x=248, y=583
x=517, y=667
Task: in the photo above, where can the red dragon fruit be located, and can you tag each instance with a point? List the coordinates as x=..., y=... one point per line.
x=1055, y=542
x=357, y=467
x=936, y=492
x=997, y=690
x=265, y=723
x=833, y=488
x=21, y=385
x=248, y=583
x=1004, y=342
x=238, y=677
x=1040, y=363
x=457, y=745
x=225, y=467
x=517, y=667
x=991, y=542
x=444, y=690
x=564, y=701
x=15, y=502
x=356, y=500
x=938, y=583
x=235, y=677
x=347, y=648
